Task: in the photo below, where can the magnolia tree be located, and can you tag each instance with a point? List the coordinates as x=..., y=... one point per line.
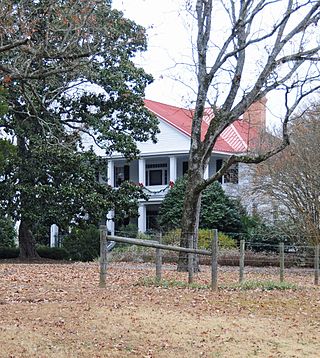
x=69, y=79
x=244, y=50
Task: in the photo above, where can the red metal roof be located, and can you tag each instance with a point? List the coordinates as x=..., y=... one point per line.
x=234, y=139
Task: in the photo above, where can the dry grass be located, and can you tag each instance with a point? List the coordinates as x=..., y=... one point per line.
x=57, y=310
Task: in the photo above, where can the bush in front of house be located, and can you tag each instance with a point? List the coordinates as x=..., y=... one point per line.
x=204, y=239
x=263, y=236
x=83, y=244
x=218, y=211
x=9, y=252
x=53, y=253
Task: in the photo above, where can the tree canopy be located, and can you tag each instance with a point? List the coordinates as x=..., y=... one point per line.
x=70, y=86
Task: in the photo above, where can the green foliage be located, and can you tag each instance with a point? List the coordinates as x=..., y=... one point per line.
x=54, y=253
x=9, y=252
x=3, y=101
x=204, y=239
x=172, y=237
x=144, y=236
x=8, y=158
x=130, y=230
x=53, y=113
x=7, y=232
x=262, y=236
x=83, y=244
x=226, y=242
x=217, y=210
x=170, y=213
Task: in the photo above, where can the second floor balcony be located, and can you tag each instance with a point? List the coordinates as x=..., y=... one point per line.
x=157, y=174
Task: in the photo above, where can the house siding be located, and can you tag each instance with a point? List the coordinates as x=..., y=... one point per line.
x=170, y=140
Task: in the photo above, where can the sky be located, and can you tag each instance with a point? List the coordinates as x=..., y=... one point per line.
x=167, y=39
x=168, y=44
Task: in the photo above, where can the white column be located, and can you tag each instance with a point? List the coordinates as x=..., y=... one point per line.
x=110, y=222
x=173, y=169
x=142, y=171
x=54, y=232
x=110, y=172
x=206, y=172
x=142, y=218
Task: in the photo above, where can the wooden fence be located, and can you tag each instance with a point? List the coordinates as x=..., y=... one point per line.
x=158, y=246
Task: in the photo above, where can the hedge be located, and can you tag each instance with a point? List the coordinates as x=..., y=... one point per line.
x=54, y=253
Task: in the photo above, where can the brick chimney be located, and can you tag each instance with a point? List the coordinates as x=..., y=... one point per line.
x=256, y=114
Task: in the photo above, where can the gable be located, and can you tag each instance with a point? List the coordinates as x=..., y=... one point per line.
x=170, y=140
x=237, y=138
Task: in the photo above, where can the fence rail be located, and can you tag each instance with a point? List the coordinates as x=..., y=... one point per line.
x=213, y=253
x=158, y=246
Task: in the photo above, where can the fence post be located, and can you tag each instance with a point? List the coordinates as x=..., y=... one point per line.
x=214, y=261
x=190, y=259
x=316, y=264
x=158, y=260
x=281, y=250
x=103, y=256
x=241, y=260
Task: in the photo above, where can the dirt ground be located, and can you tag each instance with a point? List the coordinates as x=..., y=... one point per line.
x=58, y=310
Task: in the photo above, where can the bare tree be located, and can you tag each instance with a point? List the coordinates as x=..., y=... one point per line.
x=291, y=178
x=239, y=64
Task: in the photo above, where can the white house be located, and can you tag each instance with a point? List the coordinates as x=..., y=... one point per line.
x=162, y=163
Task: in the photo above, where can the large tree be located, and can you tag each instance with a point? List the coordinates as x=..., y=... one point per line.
x=241, y=54
x=72, y=82
x=291, y=178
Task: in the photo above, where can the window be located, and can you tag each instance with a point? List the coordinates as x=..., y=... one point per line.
x=231, y=175
x=185, y=167
x=156, y=174
x=121, y=174
x=152, y=220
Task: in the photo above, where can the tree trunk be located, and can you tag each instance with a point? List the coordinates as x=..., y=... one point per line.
x=26, y=242
x=190, y=220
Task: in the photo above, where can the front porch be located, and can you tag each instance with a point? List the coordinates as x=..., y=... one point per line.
x=156, y=174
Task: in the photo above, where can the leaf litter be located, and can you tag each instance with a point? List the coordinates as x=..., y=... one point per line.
x=58, y=310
